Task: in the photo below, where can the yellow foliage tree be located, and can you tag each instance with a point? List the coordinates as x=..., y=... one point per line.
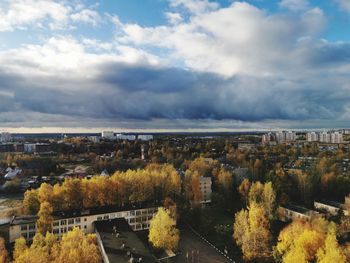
x=76, y=247
x=45, y=220
x=300, y=241
x=163, y=233
x=252, y=232
x=331, y=251
x=31, y=202
x=3, y=252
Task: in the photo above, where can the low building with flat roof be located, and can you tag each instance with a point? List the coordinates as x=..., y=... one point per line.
x=137, y=216
x=330, y=207
x=291, y=212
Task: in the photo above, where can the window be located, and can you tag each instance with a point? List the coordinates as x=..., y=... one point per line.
x=24, y=228
x=70, y=228
x=70, y=221
x=138, y=212
x=105, y=217
x=132, y=213
x=31, y=234
x=77, y=220
x=85, y=227
x=99, y=218
x=56, y=231
x=32, y=226
x=56, y=223
x=132, y=220
x=63, y=230
x=84, y=219
x=63, y=222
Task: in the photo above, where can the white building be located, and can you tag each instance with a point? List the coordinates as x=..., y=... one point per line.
x=5, y=137
x=138, y=219
x=145, y=137
x=336, y=137
x=126, y=137
x=205, y=186
x=325, y=137
x=312, y=137
x=108, y=135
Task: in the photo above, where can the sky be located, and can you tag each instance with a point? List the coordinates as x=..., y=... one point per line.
x=174, y=64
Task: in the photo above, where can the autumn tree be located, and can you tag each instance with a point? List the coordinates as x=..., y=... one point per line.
x=244, y=189
x=3, y=252
x=19, y=248
x=76, y=247
x=163, y=233
x=251, y=232
x=45, y=220
x=331, y=251
x=300, y=241
x=31, y=202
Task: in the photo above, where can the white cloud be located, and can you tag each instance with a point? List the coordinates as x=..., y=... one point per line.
x=344, y=4
x=295, y=5
x=195, y=6
x=239, y=39
x=173, y=18
x=87, y=16
x=16, y=14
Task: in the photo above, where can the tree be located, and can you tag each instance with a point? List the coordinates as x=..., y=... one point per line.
x=20, y=248
x=252, y=232
x=3, y=252
x=163, y=233
x=31, y=202
x=244, y=189
x=299, y=241
x=76, y=247
x=331, y=251
x=269, y=199
x=45, y=220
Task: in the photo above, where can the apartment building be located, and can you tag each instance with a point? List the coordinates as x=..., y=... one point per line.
x=137, y=217
x=205, y=186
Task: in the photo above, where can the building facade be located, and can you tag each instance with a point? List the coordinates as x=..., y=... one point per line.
x=205, y=186
x=138, y=219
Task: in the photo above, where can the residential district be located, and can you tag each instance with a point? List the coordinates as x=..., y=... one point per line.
x=279, y=196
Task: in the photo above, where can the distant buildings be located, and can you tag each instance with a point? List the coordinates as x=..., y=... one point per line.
x=109, y=135
x=5, y=137
x=145, y=137
x=126, y=137
x=37, y=148
x=325, y=137
x=278, y=137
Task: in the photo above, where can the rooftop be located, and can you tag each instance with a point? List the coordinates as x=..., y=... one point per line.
x=121, y=244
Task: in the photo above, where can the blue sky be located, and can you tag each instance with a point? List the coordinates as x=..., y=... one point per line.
x=174, y=64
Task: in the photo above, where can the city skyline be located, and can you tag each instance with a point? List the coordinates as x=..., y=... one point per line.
x=174, y=65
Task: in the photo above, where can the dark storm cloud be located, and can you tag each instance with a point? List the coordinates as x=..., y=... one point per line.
x=123, y=92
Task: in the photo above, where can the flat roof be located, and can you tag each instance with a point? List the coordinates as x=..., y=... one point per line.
x=18, y=220
x=121, y=243
x=104, y=210
x=296, y=208
x=329, y=203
